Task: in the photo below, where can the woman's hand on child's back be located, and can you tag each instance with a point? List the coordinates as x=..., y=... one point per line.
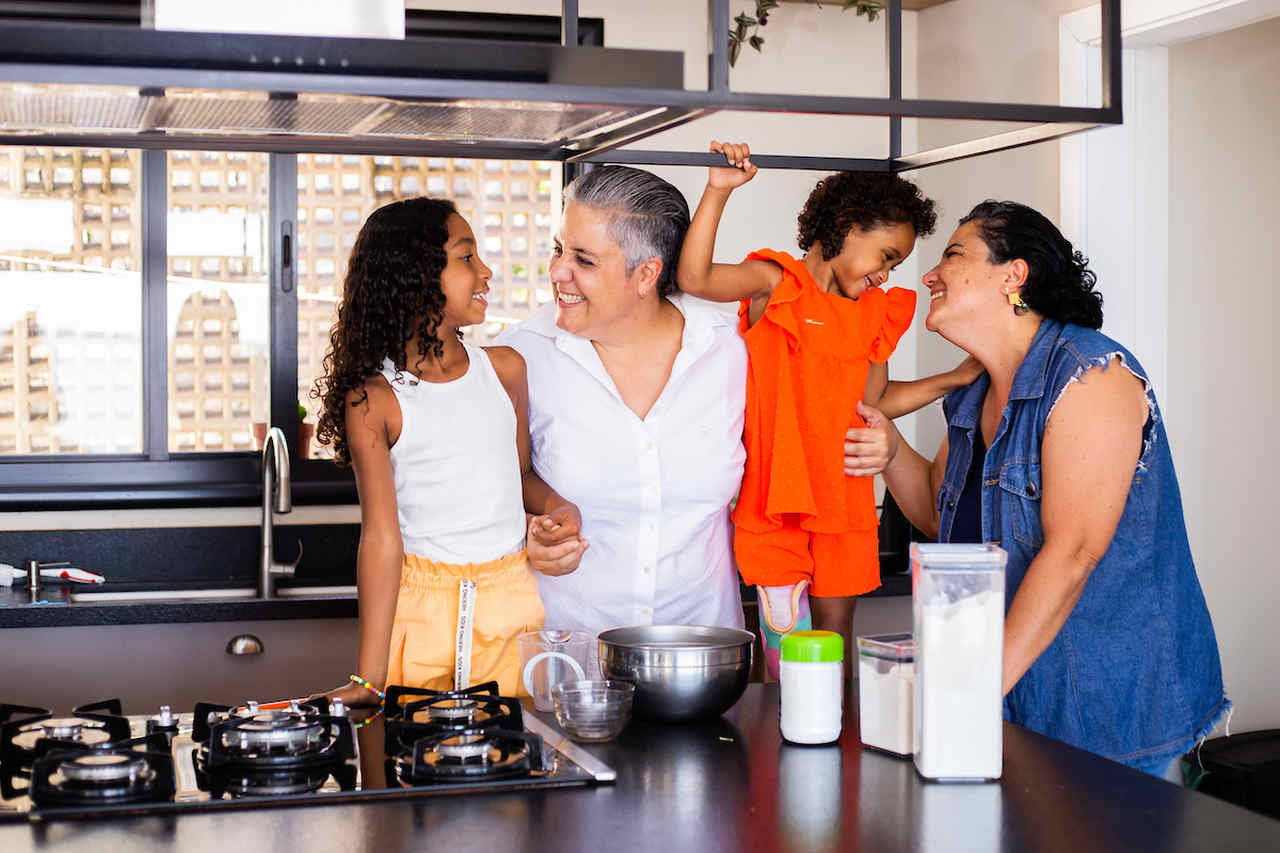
x=740, y=168
x=869, y=449
x=555, y=546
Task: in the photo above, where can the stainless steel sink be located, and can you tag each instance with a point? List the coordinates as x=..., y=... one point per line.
x=166, y=595
x=245, y=593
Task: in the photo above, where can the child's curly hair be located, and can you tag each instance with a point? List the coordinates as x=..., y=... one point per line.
x=391, y=293
x=865, y=199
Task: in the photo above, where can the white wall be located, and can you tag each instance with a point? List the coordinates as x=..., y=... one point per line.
x=1019, y=64
x=1223, y=349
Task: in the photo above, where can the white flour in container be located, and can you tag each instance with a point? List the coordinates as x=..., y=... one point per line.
x=885, y=695
x=959, y=660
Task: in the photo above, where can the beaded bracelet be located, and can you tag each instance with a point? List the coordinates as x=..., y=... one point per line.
x=362, y=723
x=355, y=679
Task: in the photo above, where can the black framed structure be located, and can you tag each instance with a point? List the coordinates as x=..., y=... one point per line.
x=517, y=95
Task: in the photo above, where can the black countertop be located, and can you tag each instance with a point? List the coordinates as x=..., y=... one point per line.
x=733, y=785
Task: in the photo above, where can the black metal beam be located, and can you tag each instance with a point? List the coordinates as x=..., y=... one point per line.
x=718, y=59
x=569, y=23
x=893, y=34
x=155, y=297
x=988, y=145
x=283, y=210
x=636, y=157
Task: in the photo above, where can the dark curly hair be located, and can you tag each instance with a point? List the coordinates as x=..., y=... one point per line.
x=865, y=199
x=391, y=293
x=1059, y=283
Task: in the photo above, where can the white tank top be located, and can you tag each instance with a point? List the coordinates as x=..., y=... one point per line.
x=456, y=467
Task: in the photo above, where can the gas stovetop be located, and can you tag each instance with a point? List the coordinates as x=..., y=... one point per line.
x=96, y=761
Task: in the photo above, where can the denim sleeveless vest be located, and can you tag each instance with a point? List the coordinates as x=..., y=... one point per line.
x=1134, y=674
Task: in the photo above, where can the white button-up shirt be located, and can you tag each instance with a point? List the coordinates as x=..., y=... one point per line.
x=654, y=493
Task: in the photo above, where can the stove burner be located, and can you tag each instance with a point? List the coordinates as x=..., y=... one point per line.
x=413, y=714
x=452, y=710
x=475, y=754
x=272, y=731
x=27, y=734
x=239, y=742
x=130, y=771
x=466, y=748
x=95, y=768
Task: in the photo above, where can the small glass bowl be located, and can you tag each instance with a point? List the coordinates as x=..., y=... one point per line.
x=593, y=711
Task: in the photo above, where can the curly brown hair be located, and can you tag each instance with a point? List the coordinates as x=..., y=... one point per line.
x=865, y=199
x=391, y=294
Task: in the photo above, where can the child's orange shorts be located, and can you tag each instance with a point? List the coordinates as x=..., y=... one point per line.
x=835, y=564
x=424, y=634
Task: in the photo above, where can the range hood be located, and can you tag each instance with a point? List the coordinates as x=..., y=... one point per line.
x=67, y=84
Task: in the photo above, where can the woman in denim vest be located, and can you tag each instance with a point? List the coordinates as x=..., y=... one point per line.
x=1058, y=453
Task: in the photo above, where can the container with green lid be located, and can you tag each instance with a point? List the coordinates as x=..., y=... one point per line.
x=813, y=646
x=811, y=672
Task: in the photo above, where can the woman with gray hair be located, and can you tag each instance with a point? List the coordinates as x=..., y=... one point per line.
x=637, y=394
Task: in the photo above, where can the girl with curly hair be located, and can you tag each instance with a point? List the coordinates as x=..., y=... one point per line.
x=819, y=331
x=437, y=433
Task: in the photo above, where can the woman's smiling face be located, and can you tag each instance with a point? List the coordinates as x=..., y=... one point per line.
x=965, y=284
x=588, y=272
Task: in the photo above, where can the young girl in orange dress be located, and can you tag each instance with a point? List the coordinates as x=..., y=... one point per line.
x=437, y=433
x=818, y=331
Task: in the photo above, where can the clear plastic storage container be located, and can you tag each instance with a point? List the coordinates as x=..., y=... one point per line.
x=957, y=606
x=886, y=691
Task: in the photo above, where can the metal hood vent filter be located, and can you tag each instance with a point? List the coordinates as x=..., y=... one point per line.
x=55, y=109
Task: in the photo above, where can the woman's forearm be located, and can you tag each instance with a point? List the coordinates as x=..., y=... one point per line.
x=1044, y=600
x=378, y=565
x=908, y=478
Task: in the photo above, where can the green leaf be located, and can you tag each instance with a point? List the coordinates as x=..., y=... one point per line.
x=745, y=20
x=765, y=5
x=735, y=46
x=756, y=42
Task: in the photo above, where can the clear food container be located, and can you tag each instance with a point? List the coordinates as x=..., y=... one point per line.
x=957, y=604
x=886, y=692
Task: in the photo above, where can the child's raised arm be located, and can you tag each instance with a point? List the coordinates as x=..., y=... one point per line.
x=896, y=399
x=696, y=274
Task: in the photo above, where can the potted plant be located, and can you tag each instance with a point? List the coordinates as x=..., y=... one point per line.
x=305, y=431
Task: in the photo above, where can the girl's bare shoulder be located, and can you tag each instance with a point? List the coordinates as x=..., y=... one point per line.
x=508, y=363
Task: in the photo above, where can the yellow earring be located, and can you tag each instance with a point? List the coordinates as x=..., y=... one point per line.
x=1015, y=299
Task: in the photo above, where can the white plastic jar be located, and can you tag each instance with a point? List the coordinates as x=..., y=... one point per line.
x=812, y=680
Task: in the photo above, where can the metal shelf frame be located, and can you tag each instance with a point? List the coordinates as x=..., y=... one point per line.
x=660, y=108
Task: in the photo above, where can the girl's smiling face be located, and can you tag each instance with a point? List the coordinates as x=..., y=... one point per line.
x=868, y=255
x=465, y=278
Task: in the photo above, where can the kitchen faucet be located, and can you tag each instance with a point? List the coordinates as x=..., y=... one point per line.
x=275, y=483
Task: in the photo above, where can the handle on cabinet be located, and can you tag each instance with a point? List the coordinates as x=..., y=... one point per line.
x=245, y=644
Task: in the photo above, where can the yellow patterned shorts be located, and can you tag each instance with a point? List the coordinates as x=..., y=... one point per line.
x=424, y=635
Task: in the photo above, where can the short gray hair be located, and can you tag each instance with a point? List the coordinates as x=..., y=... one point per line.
x=648, y=216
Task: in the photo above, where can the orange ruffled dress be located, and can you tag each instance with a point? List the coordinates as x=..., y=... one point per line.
x=798, y=515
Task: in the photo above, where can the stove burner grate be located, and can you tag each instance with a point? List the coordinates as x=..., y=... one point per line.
x=130, y=771
x=474, y=754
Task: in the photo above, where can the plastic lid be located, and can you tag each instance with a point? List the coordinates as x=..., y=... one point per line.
x=899, y=647
x=813, y=646
x=958, y=556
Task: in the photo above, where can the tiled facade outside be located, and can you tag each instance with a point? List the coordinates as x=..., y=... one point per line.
x=217, y=382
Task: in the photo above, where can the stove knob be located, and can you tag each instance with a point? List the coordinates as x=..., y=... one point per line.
x=166, y=716
x=165, y=721
x=252, y=706
x=294, y=707
x=337, y=708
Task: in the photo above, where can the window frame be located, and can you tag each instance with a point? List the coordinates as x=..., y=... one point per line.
x=157, y=476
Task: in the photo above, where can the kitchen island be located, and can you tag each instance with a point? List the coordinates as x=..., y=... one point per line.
x=732, y=784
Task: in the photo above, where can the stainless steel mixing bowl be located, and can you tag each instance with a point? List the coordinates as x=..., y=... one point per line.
x=681, y=672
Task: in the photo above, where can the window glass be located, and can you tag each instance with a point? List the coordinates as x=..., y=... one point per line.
x=70, y=302
x=325, y=241
x=218, y=303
